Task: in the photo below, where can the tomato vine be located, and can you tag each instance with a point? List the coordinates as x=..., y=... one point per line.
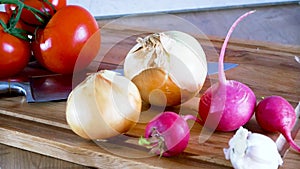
x=10, y=27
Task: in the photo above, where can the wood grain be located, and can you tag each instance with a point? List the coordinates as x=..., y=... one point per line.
x=267, y=67
x=42, y=128
x=14, y=158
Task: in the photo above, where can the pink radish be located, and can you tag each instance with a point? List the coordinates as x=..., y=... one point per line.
x=228, y=104
x=167, y=134
x=275, y=114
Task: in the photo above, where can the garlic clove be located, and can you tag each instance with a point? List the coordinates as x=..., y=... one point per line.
x=266, y=153
x=252, y=150
x=103, y=105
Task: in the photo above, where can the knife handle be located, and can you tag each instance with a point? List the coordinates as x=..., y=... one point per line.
x=11, y=88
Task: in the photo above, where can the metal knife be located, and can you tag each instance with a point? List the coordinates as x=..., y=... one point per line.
x=39, y=88
x=212, y=67
x=58, y=87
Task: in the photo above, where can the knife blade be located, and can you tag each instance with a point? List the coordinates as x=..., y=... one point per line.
x=212, y=67
x=39, y=88
x=58, y=87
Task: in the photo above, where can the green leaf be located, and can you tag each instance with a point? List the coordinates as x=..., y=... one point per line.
x=143, y=141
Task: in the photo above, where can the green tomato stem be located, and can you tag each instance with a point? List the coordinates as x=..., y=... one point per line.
x=3, y=25
x=16, y=16
x=10, y=27
x=39, y=15
x=51, y=5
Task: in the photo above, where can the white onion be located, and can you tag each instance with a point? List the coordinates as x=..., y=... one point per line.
x=168, y=68
x=103, y=105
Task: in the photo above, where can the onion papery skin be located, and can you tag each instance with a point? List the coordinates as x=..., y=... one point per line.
x=169, y=68
x=103, y=105
x=161, y=90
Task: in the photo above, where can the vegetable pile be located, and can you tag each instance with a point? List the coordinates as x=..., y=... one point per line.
x=162, y=69
x=227, y=106
x=48, y=30
x=107, y=104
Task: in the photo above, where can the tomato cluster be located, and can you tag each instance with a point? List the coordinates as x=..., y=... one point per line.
x=55, y=33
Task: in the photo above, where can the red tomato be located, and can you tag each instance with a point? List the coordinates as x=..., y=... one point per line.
x=14, y=52
x=28, y=17
x=59, y=44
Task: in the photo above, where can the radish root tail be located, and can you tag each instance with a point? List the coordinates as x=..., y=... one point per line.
x=222, y=78
x=289, y=139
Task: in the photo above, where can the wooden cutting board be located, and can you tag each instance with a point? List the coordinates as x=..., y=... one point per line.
x=269, y=69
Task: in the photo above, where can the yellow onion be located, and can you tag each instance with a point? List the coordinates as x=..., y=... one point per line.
x=169, y=68
x=104, y=105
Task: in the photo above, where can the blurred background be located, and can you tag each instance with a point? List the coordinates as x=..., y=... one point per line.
x=276, y=21
x=116, y=8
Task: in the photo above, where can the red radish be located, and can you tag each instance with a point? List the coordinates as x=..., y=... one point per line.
x=167, y=134
x=275, y=114
x=228, y=104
